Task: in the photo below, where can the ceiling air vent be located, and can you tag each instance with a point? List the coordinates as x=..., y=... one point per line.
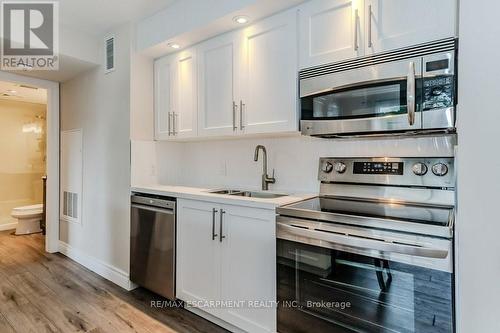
x=109, y=46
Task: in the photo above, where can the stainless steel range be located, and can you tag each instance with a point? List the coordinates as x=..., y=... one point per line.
x=373, y=252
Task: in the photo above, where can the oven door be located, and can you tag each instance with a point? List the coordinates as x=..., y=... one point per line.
x=374, y=99
x=339, y=282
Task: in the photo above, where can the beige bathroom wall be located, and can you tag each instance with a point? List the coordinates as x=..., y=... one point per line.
x=22, y=155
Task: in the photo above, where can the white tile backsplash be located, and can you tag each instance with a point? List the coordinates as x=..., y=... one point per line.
x=295, y=159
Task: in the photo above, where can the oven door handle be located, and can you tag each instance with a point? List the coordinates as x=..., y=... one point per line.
x=364, y=243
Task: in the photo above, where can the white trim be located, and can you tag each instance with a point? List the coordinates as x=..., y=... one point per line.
x=111, y=273
x=8, y=226
x=214, y=319
x=52, y=167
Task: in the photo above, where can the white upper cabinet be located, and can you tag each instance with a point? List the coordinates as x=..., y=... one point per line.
x=337, y=30
x=175, y=96
x=186, y=104
x=217, y=85
x=164, y=79
x=392, y=24
x=330, y=31
x=269, y=70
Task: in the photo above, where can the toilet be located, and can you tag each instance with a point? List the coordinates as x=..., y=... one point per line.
x=28, y=218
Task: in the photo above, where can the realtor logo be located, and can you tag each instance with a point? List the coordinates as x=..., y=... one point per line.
x=30, y=35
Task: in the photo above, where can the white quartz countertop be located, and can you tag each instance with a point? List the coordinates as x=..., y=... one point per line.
x=203, y=194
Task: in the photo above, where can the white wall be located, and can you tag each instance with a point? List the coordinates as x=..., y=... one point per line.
x=100, y=104
x=478, y=224
x=295, y=159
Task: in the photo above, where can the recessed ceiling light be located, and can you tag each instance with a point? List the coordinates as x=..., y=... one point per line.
x=174, y=45
x=241, y=19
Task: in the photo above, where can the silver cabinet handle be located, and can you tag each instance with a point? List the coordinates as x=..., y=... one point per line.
x=234, y=116
x=174, y=130
x=242, y=105
x=410, y=93
x=169, y=123
x=221, y=236
x=214, y=212
x=370, y=44
x=364, y=243
x=356, y=46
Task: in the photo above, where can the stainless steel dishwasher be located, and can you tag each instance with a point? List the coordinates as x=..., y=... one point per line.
x=152, y=243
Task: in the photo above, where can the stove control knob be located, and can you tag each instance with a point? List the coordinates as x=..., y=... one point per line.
x=340, y=167
x=327, y=167
x=440, y=169
x=419, y=169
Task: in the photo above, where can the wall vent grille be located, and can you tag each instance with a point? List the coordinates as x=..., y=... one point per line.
x=70, y=205
x=109, y=46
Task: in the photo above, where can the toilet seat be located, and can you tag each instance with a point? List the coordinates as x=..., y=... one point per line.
x=27, y=211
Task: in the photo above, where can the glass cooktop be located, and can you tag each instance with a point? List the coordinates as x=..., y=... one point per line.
x=435, y=215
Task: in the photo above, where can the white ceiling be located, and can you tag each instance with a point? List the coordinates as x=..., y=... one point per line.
x=99, y=16
x=22, y=94
x=69, y=67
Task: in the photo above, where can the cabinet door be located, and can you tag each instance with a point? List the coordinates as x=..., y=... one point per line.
x=398, y=23
x=217, y=76
x=269, y=75
x=330, y=31
x=198, y=255
x=164, y=91
x=185, y=104
x=249, y=266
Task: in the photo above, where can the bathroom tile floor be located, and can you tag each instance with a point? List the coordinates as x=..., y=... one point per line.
x=42, y=292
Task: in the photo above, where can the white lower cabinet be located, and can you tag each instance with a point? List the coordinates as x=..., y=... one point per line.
x=228, y=253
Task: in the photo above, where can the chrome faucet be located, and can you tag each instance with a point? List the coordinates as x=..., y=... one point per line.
x=266, y=180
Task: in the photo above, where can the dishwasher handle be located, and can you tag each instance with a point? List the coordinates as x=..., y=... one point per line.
x=154, y=209
x=160, y=202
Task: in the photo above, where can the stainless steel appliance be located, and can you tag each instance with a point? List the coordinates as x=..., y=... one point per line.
x=410, y=90
x=373, y=252
x=152, y=243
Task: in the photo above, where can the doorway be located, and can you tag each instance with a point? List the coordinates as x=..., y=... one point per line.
x=45, y=147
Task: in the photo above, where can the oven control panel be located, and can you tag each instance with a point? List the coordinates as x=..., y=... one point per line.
x=378, y=168
x=428, y=172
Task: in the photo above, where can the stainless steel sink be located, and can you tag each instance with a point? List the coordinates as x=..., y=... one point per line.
x=225, y=191
x=249, y=194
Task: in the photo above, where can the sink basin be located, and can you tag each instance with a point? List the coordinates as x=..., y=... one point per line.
x=226, y=192
x=249, y=194
x=263, y=195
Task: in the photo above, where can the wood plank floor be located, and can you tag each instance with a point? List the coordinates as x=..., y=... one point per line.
x=42, y=292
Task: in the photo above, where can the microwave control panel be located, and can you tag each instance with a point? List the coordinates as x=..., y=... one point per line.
x=438, y=92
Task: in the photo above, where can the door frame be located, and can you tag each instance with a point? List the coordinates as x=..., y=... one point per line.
x=52, y=164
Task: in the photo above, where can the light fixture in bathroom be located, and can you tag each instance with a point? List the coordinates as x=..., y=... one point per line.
x=241, y=19
x=32, y=128
x=174, y=45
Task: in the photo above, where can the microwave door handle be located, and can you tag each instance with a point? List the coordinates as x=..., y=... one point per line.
x=410, y=93
x=364, y=243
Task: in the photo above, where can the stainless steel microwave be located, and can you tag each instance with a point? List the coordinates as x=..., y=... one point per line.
x=411, y=90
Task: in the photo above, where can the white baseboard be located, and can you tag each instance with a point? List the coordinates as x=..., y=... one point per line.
x=105, y=270
x=215, y=320
x=8, y=226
